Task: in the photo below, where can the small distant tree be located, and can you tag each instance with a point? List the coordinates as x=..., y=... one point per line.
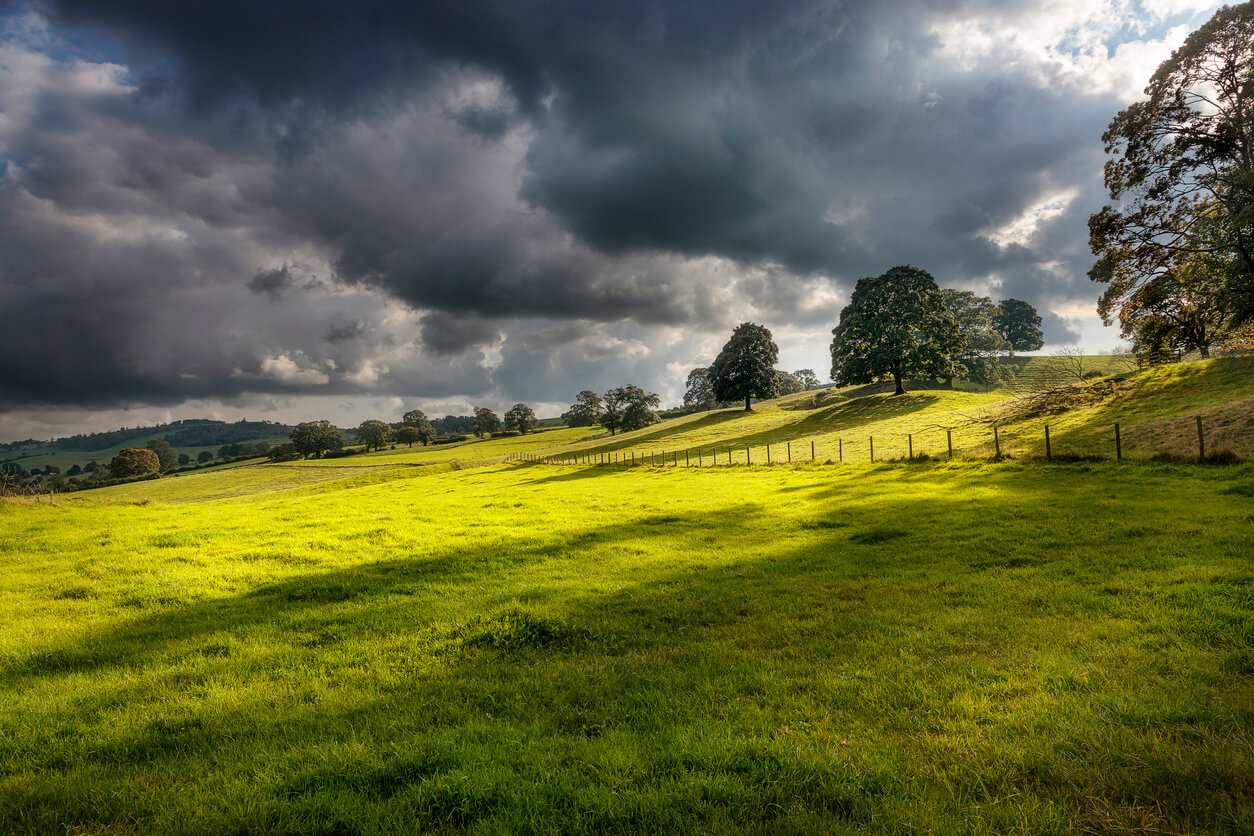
x=316, y=438
x=204, y=456
x=283, y=453
x=981, y=343
x=486, y=422
x=895, y=324
x=74, y=470
x=520, y=418
x=745, y=368
x=90, y=467
x=585, y=411
x=373, y=434
x=1018, y=324
x=133, y=462
x=808, y=378
x=787, y=384
x=184, y=459
x=422, y=428
x=165, y=454
x=407, y=436
x=699, y=395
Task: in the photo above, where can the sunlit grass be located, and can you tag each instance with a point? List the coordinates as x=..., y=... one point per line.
x=966, y=647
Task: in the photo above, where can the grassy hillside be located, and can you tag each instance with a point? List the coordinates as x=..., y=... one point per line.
x=944, y=648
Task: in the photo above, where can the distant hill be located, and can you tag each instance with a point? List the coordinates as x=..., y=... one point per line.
x=196, y=432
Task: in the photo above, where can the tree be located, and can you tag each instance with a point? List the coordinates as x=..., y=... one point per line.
x=1019, y=325
x=1181, y=166
x=520, y=418
x=699, y=395
x=316, y=438
x=745, y=368
x=629, y=408
x=422, y=429
x=895, y=324
x=204, y=456
x=486, y=421
x=184, y=459
x=373, y=434
x=808, y=378
x=133, y=462
x=407, y=436
x=787, y=384
x=585, y=411
x=982, y=343
x=74, y=470
x=1176, y=311
x=165, y=454
x=283, y=453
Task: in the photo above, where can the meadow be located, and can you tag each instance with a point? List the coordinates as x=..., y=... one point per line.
x=363, y=645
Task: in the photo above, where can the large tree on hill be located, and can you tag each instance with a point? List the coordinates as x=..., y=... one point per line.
x=486, y=422
x=895, y=324
x=585, y=411
x=745, y=368
x=787, y=384
x=1019, y=325
x=1181, y=167
x=520, y=418
x=808, y=378
x=422, y=430
x=982, y=343
x=316, y=438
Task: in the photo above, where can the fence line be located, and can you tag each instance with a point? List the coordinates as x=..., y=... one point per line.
x=974, y=441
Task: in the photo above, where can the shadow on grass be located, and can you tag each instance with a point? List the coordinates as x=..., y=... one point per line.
x=686, y=684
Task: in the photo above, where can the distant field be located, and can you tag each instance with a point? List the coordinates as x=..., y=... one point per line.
x=968, y=647
x=65, y=459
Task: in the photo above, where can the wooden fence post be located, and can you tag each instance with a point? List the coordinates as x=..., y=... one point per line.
x=1049, y=454
x=748, y=458
x=1201, y=441
x=840, y=451
x=811, y=451
x=996, y=442
x=687, y=459
x=949, y=440
x=699, y=457
x=768, y=454
x=872, y=447
x=910, y=442
x=1118, y=445
x=790, y=452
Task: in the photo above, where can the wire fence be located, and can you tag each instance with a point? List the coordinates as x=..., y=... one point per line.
x=1183, y=440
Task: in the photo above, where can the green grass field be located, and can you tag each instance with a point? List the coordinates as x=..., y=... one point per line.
x=363, y=645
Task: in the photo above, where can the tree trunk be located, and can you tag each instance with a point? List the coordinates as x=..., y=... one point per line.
x=897, y=379
x=1205, y=349
x=747, y=407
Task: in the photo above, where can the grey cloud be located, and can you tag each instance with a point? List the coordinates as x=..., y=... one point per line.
x=447, y=334
x=272, y=282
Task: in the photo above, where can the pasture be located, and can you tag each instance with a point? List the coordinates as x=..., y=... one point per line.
x=933, y=647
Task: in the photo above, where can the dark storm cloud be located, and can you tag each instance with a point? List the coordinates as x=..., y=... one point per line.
x=481, y=162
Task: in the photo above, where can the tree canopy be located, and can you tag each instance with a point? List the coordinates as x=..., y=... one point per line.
x=165, y=453
x=699, y=394
x=316, y=438
x=808, y=378
x=1181, y=167
x=373, y=434
x=486, y=421
x=629, y=408
x=520, y=418
x=745, y=368
x=787, y=384
x=419, y=428
x=133, y=462
x=1019, y=325
x=585, y=411
x=982, y=343
x=895, y=324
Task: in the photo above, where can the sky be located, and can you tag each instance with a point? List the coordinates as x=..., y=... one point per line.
x=304, y=210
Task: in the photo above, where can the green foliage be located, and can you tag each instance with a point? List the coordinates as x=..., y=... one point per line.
x=415, y=427
x=165, y=454
x=204, y=456
x=1181, y=166
x=745, y=368
x=629, y=408
x=787, y=384
x=317, y=438
x=133, y=462
x=699, y=394
x=1018, y=324
x=374, y=434
x=981, y=342
x=895, y=324
x=520, y=419
x=585, y=411
x=283, y=453
x=486, y=422
x=808, y=378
